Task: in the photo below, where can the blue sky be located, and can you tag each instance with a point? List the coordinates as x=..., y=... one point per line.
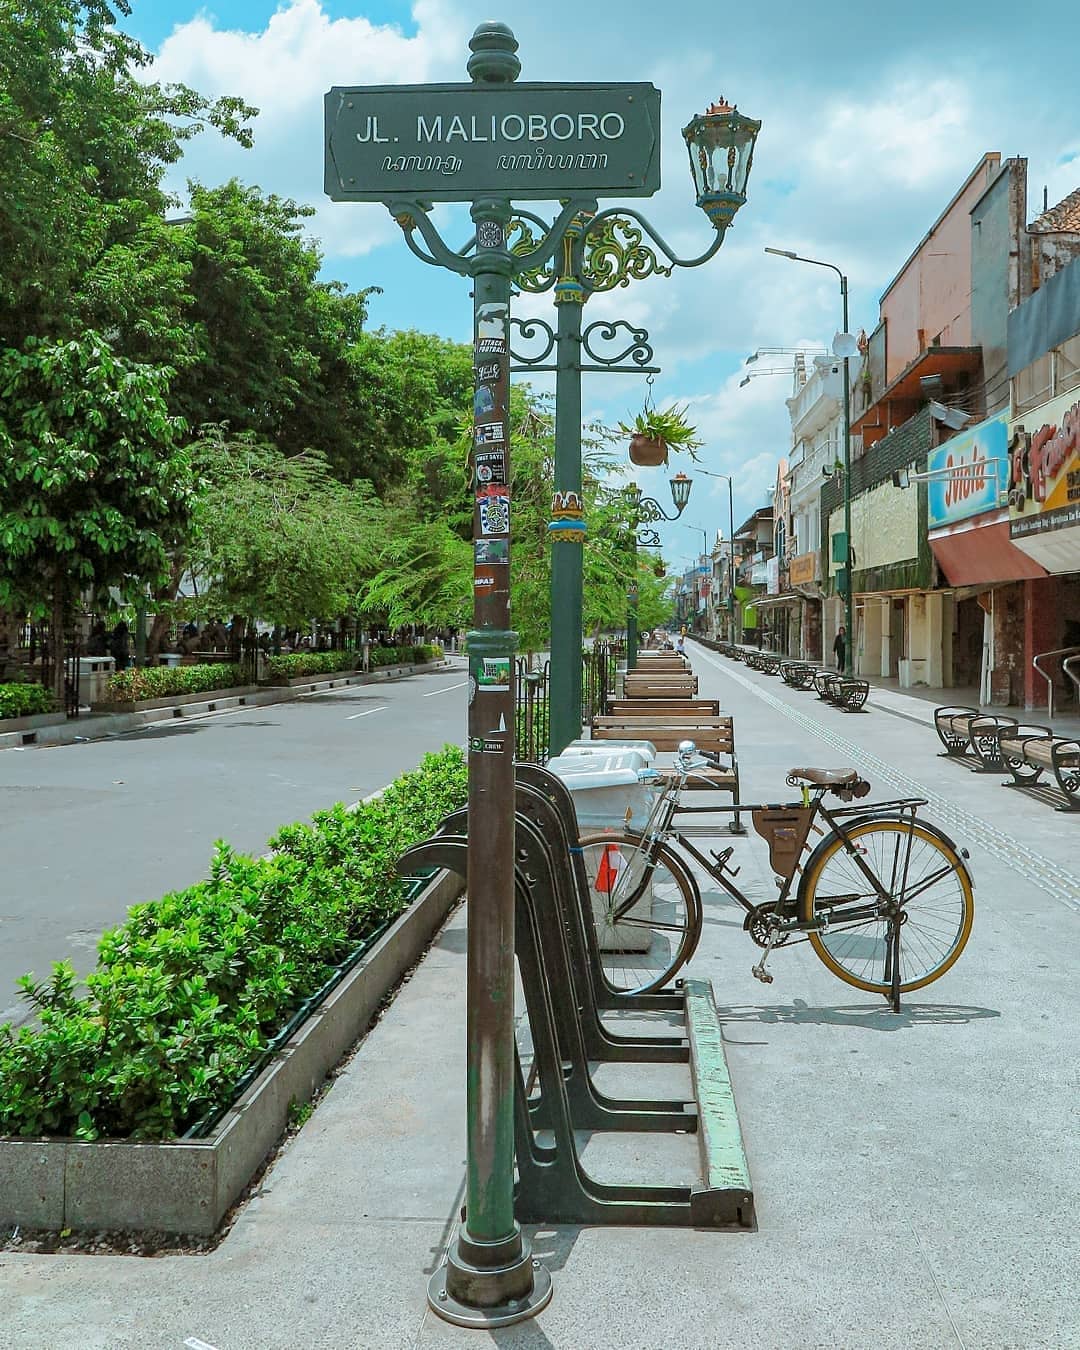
x=873, y=116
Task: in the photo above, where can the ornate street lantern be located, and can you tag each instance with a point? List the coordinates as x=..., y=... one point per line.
x=721, y=146
x=680, y=491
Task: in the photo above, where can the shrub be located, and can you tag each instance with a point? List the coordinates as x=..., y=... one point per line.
x=291, y=667
x=189, y=991
x=139, y=682
x=400, y=656
x=25, y=700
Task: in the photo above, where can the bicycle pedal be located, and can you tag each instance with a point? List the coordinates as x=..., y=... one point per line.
x=762, y=975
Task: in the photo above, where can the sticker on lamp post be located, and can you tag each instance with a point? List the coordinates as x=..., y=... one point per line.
x=493, y=675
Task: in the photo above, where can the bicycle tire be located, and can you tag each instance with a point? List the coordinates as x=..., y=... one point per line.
x=640, y=948
x=936, y=900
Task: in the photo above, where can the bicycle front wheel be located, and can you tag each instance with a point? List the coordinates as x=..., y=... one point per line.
x=647, y=920
x=922, y=876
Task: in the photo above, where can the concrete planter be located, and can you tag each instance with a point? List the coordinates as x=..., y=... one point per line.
x=187, y=1186
x=33, y=723
x=175, y=700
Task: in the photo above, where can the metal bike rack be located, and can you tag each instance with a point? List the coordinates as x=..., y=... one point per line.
x=565, y=997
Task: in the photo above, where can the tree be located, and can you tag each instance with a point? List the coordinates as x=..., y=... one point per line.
x=93, y=482
x=276, y=537
x=85, y=140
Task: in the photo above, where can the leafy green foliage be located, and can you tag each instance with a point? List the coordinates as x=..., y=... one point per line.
x=85, y=140
x=294, y=664
x=394, y=656
x=92, y=481
x=278, y=538
x=25, y=700
x=138, y=682
x=188, y=992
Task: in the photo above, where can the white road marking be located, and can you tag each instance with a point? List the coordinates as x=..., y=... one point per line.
x=446, y=689
x=353, y=716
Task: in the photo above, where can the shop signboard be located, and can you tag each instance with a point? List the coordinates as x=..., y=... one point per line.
x=977, y=460
x=456, y=142
x=1044, y=483
x=802, y=570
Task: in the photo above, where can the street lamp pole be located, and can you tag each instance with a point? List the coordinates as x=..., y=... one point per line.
x=849, y=599
x=602, y=251
x=709, y=473
x=648, y=511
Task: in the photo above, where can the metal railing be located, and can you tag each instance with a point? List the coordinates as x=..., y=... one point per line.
x=532, y=711
x=1066, y=653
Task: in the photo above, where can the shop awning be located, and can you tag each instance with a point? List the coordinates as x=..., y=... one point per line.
x=775, y=600
x=980, y=552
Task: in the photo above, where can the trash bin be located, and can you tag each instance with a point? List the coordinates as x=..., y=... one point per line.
x=94, y=675
x=610, y=793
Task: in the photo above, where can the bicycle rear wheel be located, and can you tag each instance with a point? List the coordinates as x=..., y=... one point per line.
x=647, y=922
x=929, y=884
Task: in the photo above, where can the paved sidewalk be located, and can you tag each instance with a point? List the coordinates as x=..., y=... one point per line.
x=916, y=1176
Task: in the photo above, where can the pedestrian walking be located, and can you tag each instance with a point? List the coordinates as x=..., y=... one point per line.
x=840, y=648
x=120, y=645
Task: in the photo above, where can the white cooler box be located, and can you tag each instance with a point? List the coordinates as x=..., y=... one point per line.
x=599, y=749
x=604, y=787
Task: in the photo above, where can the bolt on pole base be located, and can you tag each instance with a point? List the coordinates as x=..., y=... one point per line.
x=485, y=1285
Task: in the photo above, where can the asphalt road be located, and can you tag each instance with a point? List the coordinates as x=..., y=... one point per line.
x=87, y=830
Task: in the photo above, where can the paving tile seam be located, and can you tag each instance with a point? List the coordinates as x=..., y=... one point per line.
x=1056, y=881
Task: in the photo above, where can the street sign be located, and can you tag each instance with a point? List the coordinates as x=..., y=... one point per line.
x=457, y=142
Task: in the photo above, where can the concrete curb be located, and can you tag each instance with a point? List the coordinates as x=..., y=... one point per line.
x=187, y=1186
x=100, y=727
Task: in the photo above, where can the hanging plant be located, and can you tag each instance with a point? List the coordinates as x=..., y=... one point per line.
x=656, y=431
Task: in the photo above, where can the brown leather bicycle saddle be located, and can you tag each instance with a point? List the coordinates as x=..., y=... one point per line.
x=825, y=777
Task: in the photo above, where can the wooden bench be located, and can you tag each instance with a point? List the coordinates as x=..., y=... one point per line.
x=1029, y=751
x=648, y=707
x=770, y=663
x=659, y=685
x=714, y=734
x=967, y=732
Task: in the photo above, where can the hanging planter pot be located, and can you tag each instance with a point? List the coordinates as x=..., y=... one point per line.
x=648, y=451
x=660, y=571
x=656, y=431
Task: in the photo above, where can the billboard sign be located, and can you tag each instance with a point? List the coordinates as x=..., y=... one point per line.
x=972, y=486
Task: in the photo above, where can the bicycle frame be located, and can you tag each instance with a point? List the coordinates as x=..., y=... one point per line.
x=660, y=827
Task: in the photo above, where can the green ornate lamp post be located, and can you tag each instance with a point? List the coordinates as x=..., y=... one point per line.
x=602, y=251
x=486, y=143
x=647, y=511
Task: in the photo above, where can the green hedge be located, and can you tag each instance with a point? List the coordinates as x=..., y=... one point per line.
x=309, y=663
x=25, y=700
x=400, y=656
x=139, y=682
x=189, y=991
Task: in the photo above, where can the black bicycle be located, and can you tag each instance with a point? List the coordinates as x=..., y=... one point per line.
x=884, y=897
